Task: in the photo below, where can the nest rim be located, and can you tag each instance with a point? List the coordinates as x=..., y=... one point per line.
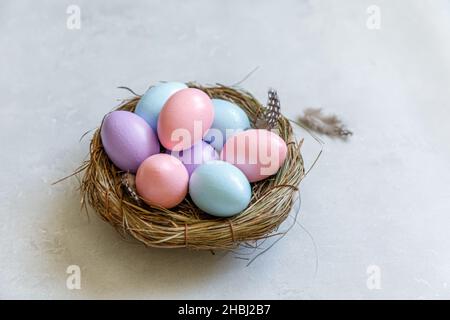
x=186, y=226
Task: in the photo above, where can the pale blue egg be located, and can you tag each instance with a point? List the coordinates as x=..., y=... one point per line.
x=228, y=120
x=154, y=99
x=219, y=188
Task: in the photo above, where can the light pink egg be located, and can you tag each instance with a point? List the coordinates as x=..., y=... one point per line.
x=162, y=180
x=259, y=153
x=185, y=119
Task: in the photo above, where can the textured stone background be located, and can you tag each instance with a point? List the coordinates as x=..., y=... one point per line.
x=381, y=199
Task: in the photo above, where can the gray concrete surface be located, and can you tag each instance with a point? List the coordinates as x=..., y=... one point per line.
x=377, y=207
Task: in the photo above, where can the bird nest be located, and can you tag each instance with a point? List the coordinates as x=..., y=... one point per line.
x=186, y=226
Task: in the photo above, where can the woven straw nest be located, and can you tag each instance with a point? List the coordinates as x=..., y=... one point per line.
x=186, y=225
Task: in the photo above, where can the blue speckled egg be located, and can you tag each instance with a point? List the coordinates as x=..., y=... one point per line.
x=154, y=99
x=219, y=189
x=228, y=120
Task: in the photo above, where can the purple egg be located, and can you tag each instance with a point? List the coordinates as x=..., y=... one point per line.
x=196, y=155
x=128, y=140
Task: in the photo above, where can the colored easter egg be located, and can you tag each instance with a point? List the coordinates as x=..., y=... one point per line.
x=228, y=120
x=220, y=189
x=259, y=153
x=162, y=180
x=151, y=103
x=128, y=140
x=196, y=155
x=185, y=119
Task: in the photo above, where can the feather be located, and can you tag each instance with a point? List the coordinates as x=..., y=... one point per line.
x=273, y=108
x=330, y=125
x=272, y=112
x=129, y=182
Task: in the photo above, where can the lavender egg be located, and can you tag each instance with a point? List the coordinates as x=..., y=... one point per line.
x=128, y=140
x=196, y=155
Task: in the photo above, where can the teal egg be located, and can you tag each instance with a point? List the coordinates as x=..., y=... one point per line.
x=228, y=120
x=154, y=99
x=219, y=188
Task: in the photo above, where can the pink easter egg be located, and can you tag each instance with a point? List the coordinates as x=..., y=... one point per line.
x=162, y=180
x=185, y=119
x=259, y=153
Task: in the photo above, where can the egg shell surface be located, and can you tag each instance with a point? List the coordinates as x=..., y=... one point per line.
x=151, y=103
x=128, y=140
x=229, y=119
x=162, y=180
x=196, y=155
x=258, y=153
x=220, y=189
x=185, y=119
